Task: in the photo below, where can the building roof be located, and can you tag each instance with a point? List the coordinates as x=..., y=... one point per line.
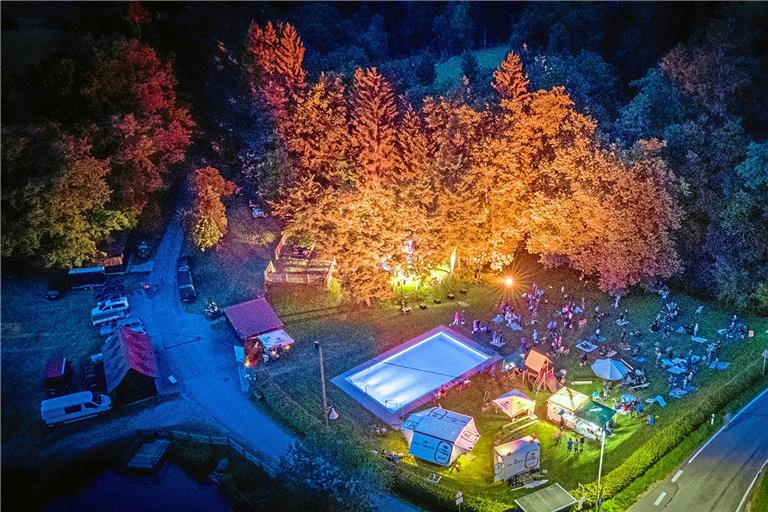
x=569, y=399
x=596, y=413
x=444, y=425
x=127, y=350
x=549, y=499
x=252, y=318
x=536, y=361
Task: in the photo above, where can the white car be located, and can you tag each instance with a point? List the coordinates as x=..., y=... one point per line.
x=135, y=324
x=109, y=310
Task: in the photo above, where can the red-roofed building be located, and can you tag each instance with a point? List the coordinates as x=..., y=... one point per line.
x=130, y=367
x=258, y=328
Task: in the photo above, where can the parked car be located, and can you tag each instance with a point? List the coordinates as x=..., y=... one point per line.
x=86, y=278
x=73, y=407
x=93, y=375
x=110, y=291
x=135, y=324
x=58, y=373
x=111, y=309
x=56, y=287
x=187, y=291
x=185, y=264
x=142, y=249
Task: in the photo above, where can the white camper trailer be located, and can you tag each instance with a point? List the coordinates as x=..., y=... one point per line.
x=515, y=458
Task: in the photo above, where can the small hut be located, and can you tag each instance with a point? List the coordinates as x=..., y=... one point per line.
x=516, y=457
x=130, y=367
x=440, y=436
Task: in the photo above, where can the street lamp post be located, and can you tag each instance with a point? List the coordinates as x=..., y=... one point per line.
x=600, y=471
x=319, y=348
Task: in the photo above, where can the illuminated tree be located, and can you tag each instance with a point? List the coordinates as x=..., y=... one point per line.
x=511, y=82
x=374, y=134
x=209, y=217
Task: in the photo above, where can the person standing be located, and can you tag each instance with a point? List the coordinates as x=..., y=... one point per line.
x=581, y=443
x=570, y=445
x=557, y=436
x=456, y=318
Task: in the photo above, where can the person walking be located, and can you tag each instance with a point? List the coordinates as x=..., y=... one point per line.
x=557, y=436
x=570, y=445
x=581, y=443
x=456, y=318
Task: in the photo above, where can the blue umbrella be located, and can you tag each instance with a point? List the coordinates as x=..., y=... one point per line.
x=609, y=369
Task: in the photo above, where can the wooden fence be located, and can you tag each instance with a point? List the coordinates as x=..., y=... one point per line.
x=262, y=461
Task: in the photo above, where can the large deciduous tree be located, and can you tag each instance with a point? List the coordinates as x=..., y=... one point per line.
x=209, y=216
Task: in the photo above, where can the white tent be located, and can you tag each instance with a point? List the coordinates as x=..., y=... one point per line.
x=439, y=436
x=515, y=403
x=516, y=457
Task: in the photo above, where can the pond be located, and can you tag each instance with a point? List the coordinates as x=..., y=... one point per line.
x=173, y=489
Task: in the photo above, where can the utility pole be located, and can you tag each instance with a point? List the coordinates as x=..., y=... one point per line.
x=319, y=348
x=600, y=472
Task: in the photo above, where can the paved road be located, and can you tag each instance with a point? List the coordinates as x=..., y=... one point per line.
x=721, y=474
x=200, y=356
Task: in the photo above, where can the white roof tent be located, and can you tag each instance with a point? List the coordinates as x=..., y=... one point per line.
x=549, y=499
x=440, y=436
x=515, y=403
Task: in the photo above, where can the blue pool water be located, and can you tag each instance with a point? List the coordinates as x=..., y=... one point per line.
x=419, y=369
x=116, y=492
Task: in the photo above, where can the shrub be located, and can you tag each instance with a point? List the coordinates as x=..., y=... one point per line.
x=281, y=403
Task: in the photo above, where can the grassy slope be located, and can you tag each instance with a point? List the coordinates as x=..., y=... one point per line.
x=759, y=501
x=449, y=70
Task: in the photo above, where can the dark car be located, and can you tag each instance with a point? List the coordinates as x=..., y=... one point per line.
x=58, y=373
x=187, y=291
x=185, y=264
x=56, y=287
x=110, y=291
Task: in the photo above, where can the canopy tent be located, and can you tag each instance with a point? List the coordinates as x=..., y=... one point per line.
x=609, y=369
x=536, y=363
x=130, y=367
x=562, y=406
x=252, y=318
x=275, y=339
x=596, y=414
x=439, y=436
x=515, y=403
x=516, y=457
x=514, y=361
x=550, y=499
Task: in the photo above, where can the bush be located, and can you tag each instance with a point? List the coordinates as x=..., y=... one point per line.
x=674, y=434
x=291, y=412
x=434, y=497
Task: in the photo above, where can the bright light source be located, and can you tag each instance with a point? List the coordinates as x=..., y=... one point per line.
x=508, y=281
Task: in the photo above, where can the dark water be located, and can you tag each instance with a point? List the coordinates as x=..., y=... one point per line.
x=116, y=492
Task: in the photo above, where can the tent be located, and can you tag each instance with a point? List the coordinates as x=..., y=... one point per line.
x=549, y=499
x=564, y=404
x=130, y=367
x=516, y=457
x=439, y=436
x=609, y=369
x=275, y=339
x=514, y=361
x=592, y=418
x=514, y=404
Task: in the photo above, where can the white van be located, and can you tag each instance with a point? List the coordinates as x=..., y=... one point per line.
x=74, y=407
x=111, y=309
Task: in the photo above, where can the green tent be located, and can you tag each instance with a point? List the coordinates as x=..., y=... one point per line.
x=550, y=499
x=596, y=413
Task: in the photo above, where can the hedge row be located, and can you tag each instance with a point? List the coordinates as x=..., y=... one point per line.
x=292, y=412
x=673, y=434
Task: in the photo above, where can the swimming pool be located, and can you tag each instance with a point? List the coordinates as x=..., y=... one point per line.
x=407, y=376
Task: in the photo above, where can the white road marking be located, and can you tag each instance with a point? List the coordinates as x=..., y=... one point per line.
x=661, y=497
x=677, y=475
x=749, y=489
x=723, y=427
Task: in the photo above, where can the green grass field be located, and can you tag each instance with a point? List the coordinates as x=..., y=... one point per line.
x=759, y=501
x=352, y=335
